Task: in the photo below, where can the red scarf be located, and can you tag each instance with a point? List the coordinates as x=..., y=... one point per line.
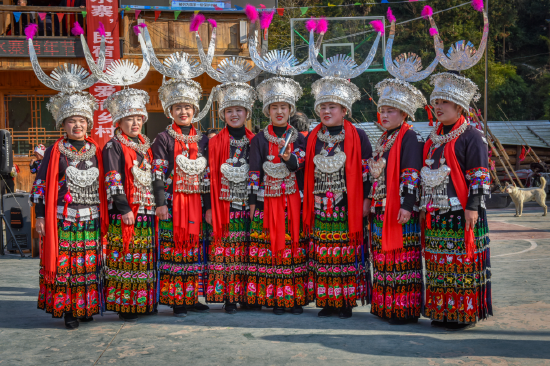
x=186, y=208
x=50, y=248
x=274, y=211
x=392, y=230
x=129, y=156
x=354, y=182
x=459, y=182
x=218, y=147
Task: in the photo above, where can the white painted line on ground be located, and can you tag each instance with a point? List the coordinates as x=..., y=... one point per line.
x=532, y=247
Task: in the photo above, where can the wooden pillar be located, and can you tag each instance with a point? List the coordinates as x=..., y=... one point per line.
x=518, y=153
x=3, y=122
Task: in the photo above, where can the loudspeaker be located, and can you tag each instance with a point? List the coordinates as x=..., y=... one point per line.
x=6, y=153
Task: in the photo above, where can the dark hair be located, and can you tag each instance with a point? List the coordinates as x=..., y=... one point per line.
x=300, y=121
x=211, y=130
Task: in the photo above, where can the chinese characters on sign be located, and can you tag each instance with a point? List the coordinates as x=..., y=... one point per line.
x=106, y=12
x=61, y=47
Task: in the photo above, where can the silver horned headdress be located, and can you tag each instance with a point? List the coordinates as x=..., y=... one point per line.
x=71, y=81
x=181, y=68
x=406, y=68
x=461, y=56
x=336, y=72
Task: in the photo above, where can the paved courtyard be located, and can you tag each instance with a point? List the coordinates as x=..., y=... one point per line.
x=518, y=334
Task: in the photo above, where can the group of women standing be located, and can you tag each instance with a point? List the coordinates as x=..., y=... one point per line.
x=275, y=219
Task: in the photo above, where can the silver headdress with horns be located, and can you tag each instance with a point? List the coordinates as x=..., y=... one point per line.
x=181, y=68
x=334, y=86
x=461, y=56
x=128, y=101
x=71, y=81
x=405, y=68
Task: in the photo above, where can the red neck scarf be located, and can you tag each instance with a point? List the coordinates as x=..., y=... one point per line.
x=274, y=211
x=392, y=230
x=459, y=182
x=51, y=244
x=218, y=147
x=129, y=157
x=354, y=181
x=186, y=208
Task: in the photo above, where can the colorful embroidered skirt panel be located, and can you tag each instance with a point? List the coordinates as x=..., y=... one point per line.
x=76, y=289
x=130, y=279
x=457, y=289
x=282, y=284
x=227, y=261
x=337, y=276
x=397, y=283
x=179, y=270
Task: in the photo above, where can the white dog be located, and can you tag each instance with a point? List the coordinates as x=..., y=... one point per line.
x=521, y=195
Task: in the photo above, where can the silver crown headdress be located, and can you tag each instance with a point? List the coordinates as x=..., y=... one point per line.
x=334, y=86
x=71, y=81
x=461, y=56
x=128, y=101
x=181, y=68
x=405, y=68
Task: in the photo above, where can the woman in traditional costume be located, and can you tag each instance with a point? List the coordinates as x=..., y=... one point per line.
x=181, y=181
x=335, y=169
x=395, y=173
x=455, y=180
x=71, y=205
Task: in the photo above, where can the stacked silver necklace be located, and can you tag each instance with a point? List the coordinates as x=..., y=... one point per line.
x=143, y=178
x=377, y=166
x=190, y=171
x=235, y=178
x=435, y=181
x=329, y=170
x=278, y=180
x=83, y=185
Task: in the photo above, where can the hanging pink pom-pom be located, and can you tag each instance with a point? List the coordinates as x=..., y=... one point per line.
x=68, y=198
x=251, y=13
x=477, y=5
x=433, y=32
x=101, y=29
x=31, y=30
x=330, y=195
x=283, y=186
x=142, y=25
x=322, y=26
x=196, y=21
x=212, y=22
x=311, y=24
x=265, y=19
x=429, y=208
x=375, y=185
x=390, y=16
x=77, y=29
x=378, y=26
x=136, y=30
x=427, y=12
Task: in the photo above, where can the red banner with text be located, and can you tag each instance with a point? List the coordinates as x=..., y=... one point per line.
x=105, y=11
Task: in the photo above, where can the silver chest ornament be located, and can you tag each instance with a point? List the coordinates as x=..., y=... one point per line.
x=434, y=186
x=234, y=182
x=83, y=185
x=329, y=173
x=143, y=180
x=278, y=180
x=191, y=175
x=377, y=167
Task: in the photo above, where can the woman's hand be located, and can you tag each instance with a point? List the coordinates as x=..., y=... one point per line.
x=471, y=219
x=403, y=217
x=162, y=212
x=128, y=218
x=286, y=155
x=208, y=216
x=366, y=207
x=40, y=226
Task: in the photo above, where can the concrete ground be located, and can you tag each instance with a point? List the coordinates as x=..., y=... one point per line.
x=518, y=334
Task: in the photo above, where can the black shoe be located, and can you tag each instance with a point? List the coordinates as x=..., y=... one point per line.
x=394, y=321
x=345, y=313
x=251, y=307
x=70, y=321
x=326, y=312
x=438, y=324
x=297, y=310
x=198, y=308
x=230, y=308
x=180, y=311
x=278, y=310
x=130, y=318
x=86, y=319
x=459, y=326
x=153, y=312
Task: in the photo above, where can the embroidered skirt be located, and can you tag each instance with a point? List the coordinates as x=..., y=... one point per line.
x=179, y=270
x=77, y=282
x=283, y=284
x=227, y=261
x=337, y=276
x=457, y=289
x=397, y=275
x=130, y=278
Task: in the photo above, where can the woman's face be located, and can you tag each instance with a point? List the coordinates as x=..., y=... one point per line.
x=279, y=113
x=447, y=112
x=391, y=117
x=131, y=125
x=235, y=116
x=75, y=127
x=182, y=113
x=332, y=114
